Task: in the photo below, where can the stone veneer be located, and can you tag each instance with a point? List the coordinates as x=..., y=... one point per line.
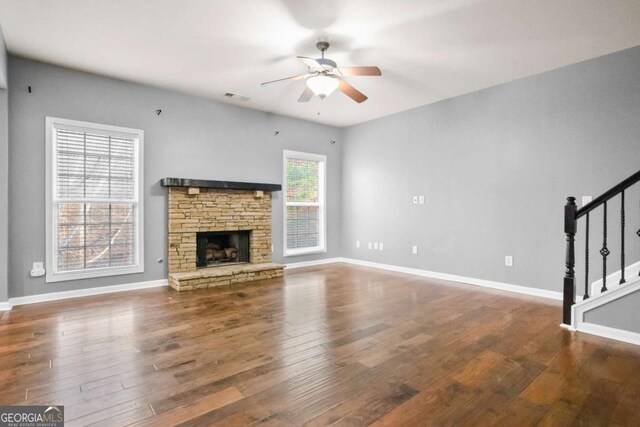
x=218, y=210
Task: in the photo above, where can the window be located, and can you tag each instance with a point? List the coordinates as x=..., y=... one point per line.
x=304, y=203
x=94, y=203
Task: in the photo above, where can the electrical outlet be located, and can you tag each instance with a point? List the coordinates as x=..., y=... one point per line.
x=381, y=246
x=421, y=200
x=508, y=261
x=38, y=269
x=357, y=243
x=369, y=245
x=375, y=245
x=415, y=200
x=414, y=249
x=586, y=200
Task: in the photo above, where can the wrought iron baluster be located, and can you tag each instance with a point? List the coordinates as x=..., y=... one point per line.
x=604, y=251
x=622, y=221
x=586, y=262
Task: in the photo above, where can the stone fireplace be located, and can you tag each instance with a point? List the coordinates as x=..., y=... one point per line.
x=219, y=233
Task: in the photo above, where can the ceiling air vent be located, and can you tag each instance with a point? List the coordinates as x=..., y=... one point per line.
x=236, y=96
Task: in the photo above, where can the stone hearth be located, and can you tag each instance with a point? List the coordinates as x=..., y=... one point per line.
x=218, y=206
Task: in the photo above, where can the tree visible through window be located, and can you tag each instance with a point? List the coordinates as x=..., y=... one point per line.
x=304, y=202
x=94, y=209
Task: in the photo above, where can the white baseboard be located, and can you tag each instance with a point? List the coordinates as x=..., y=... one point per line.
x=5, y=306
x=567, y=327
x=607, y=332
x=293, y=265
x=454, y=278
x=55, y=296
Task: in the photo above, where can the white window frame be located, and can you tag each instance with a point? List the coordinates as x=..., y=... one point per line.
x=52, y=275
x=321, y=204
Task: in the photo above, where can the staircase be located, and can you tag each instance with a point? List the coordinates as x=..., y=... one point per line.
x=613, y=281
x=608, y=287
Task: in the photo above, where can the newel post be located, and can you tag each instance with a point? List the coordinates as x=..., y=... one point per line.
x=570, y=228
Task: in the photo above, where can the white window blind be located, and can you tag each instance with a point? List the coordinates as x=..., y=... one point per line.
x=304, y=189
x=94, y=207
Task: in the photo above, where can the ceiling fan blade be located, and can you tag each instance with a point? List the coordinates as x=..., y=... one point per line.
x=351, y=92
x=302, y=76
x=311, y=63
x=306, y=95
x=360, y=71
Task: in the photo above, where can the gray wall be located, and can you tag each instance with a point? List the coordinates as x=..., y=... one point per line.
x=3, y=62
x=4, y=195
x=4, y=172
x=495, y=167
x=623, y=313
x=193, y=137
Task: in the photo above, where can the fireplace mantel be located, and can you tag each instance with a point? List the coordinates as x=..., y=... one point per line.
x=227, y=185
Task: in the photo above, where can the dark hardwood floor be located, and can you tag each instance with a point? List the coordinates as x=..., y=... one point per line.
x=335, y=345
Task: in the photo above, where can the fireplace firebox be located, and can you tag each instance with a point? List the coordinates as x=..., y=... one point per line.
x=222, y=248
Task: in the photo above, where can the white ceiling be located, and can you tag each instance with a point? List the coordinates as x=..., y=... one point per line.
x=427, y=50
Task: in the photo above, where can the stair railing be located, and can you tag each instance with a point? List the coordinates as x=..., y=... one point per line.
x=571, y=216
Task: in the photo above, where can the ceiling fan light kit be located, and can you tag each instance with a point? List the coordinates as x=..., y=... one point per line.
x=324, y=77
x=322, y=85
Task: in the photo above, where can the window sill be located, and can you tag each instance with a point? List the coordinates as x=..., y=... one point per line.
x=92, y=274
x=299, y=252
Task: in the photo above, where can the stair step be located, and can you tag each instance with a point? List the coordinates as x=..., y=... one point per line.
x=613, y=279
x=610, y=288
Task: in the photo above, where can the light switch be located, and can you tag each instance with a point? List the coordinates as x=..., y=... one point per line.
x=421, y=200
x=414, y=249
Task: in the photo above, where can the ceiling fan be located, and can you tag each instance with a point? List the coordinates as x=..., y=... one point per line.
x=324, y=77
